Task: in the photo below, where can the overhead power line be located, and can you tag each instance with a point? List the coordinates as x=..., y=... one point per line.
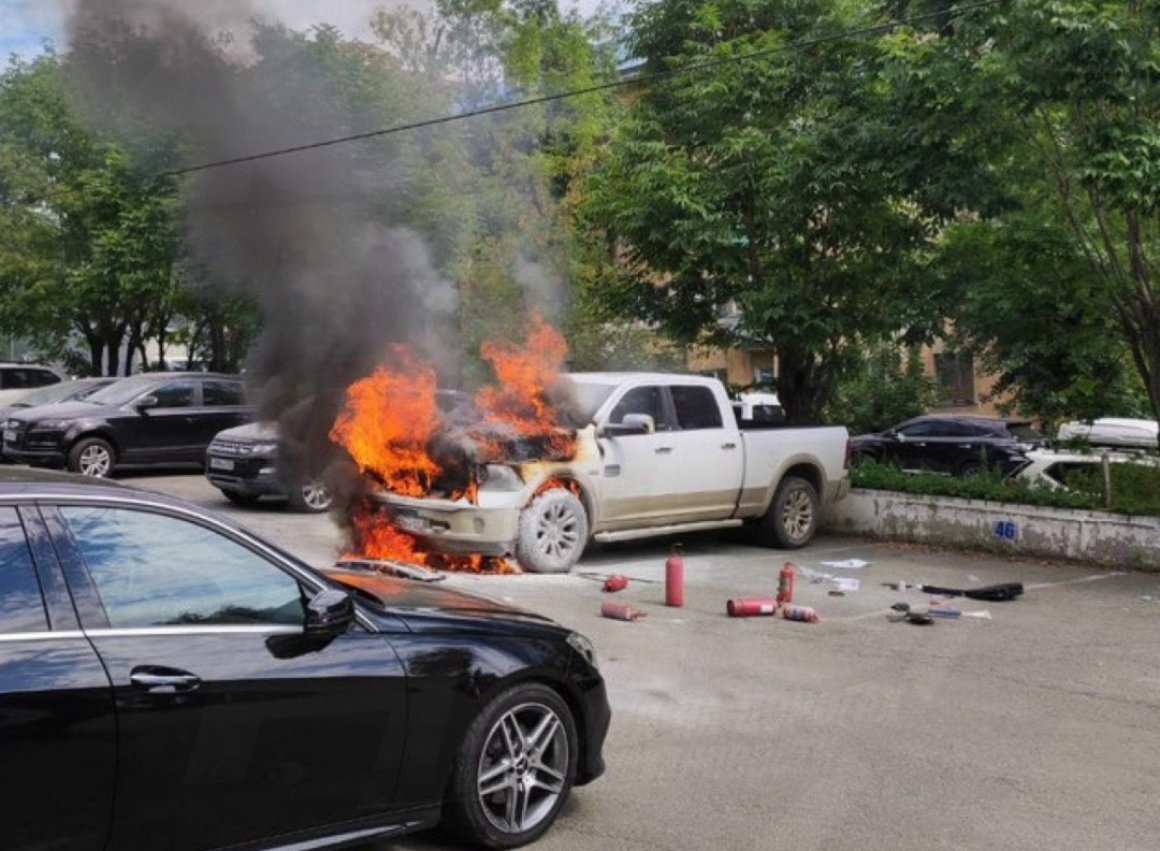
x=691, y=68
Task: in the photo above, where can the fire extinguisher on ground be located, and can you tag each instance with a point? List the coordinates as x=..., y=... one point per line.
x=785, y=582
x=675, y=577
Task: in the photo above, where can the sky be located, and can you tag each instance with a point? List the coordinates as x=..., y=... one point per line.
x=26, y=24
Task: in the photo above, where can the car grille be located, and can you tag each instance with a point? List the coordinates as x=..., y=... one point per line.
x=230, y=448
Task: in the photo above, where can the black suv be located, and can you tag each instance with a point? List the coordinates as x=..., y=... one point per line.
x=959, y=445
x=151, y=419
x=169, y=680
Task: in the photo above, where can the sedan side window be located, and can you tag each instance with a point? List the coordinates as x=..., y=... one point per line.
x=922, y=429
x=155, y=570
x=179, y=394
x=642, y=400
x=21, y=606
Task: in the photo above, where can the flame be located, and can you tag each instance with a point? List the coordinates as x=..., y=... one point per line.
x=391, y=416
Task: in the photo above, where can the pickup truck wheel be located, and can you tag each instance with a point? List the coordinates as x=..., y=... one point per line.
x=792, y=517
x=553, y=532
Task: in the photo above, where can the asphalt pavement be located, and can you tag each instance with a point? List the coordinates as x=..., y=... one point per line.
x=1036, y=729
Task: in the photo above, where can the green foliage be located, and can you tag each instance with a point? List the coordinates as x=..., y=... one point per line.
x=885, y=388
x=785, y=184
x=1135, y=487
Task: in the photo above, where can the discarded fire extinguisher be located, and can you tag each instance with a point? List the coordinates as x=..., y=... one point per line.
x=620, y=611
x=800, y=613
x=749, y=607
x=785, y=582
x=675, y=577
x=616, y=583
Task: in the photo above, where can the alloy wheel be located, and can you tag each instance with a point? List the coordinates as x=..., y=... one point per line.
x=558, y=531
x=523, y=768
x=95, y=462
x=315, y=495
x=797, y=514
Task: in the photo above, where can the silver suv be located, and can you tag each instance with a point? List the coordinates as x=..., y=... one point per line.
x=17, y=379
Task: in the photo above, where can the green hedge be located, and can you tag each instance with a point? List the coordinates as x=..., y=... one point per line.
x=1135, y=487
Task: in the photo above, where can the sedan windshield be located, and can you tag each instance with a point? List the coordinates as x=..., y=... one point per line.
x=125, y=390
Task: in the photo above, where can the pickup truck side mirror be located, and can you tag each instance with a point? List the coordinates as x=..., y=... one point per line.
x=631, y=424
x=147, y=402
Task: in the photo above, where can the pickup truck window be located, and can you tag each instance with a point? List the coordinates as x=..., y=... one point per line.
x=587, y=398
x=642, y=400
x=696, y=406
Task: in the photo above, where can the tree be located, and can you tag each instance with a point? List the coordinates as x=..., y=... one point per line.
x=885, y=388
x=90, y=237
x=784, y=183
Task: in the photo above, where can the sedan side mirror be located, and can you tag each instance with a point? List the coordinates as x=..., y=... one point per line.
x=631, y=424
x=329, y=613
x=147, y=402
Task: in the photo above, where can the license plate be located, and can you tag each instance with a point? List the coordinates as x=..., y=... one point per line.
x=410, y=523
x=10, y=436
x=221, y=464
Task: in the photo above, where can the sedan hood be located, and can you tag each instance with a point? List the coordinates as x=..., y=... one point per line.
x=251, y=431
x=414, y=600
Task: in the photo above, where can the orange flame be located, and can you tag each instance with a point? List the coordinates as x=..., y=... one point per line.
x=392, y=414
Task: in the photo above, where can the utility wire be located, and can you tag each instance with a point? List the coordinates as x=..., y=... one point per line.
x=599, y=87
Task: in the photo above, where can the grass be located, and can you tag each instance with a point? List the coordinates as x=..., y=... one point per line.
x=1135, y=487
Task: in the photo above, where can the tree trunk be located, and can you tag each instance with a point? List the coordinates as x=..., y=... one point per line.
x=96, y=354
x=798, y=388
x=113, y=340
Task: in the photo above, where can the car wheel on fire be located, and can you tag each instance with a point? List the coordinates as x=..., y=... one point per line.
x=553, y=531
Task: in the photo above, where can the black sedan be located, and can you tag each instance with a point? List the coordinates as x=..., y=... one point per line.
x=168, y=680
x=147, y=420
x=958, y=445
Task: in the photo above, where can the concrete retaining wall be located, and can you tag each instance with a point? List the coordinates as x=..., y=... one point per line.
x=1091, y=536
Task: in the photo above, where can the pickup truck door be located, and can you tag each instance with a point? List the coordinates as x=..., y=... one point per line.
x=635, y=474
x=708, y=460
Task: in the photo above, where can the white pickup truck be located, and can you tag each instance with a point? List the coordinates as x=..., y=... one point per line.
x=661, y=454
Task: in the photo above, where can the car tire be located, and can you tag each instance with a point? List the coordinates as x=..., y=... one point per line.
x=792, y=517
x=501, y=770
x=312, y=496
x=239, y=498
x=553, y=532
x=93, y=457
x=969, y=468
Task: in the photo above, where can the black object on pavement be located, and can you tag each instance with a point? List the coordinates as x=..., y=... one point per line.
x=993, y=593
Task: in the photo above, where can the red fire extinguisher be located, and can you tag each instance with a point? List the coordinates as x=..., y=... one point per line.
x=785, y=584
x=675, y=578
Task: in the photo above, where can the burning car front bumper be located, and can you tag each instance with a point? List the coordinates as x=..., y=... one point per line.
x=457, y=526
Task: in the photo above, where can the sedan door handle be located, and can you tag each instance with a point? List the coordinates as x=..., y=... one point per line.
x=728, y=445
x=157, y=679
x=664, y=450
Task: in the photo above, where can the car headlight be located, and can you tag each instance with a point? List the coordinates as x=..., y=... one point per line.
x=498, y=477
x=50, y=425
x=263, y=448
x=583, y=646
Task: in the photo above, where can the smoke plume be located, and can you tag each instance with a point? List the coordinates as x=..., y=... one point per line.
x=312, y=235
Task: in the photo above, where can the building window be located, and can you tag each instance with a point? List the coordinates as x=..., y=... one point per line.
x=763, y=376
x=956, y=377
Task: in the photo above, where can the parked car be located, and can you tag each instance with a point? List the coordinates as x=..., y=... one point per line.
x=19, y=379
x=958, y=445
x=1114, y=431
x=242, y=463
x=1051, y=467
x=658, y=454
x=225, y=695
x=57, y=394
x=150, y=419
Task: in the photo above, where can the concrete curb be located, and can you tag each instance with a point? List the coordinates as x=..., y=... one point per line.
x=1097, y=537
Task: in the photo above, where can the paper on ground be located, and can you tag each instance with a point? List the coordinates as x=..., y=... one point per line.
x=846, y=583
x=848, y=564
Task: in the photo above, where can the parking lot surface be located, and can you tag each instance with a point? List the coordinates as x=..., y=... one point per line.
x=1038, y=728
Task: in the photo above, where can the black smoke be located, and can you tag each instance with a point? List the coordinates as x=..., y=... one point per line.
x=314, y=236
